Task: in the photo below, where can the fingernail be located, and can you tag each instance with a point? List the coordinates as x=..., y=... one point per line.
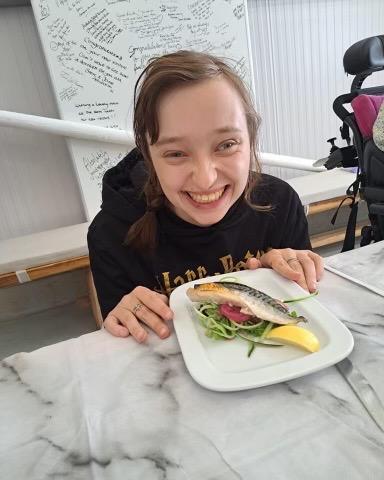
x=163, y=332
x=313, y=286
x=141, y=336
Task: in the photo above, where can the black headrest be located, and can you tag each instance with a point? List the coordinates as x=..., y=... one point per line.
x=367, y=54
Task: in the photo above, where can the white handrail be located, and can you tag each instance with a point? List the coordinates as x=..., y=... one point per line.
x=65, y=128
x=299, y=163
x=111, y=135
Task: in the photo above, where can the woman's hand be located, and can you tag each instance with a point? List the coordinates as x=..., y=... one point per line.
x=141, y=306
x=302, y=266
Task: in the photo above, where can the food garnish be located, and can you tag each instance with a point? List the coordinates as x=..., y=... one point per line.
x=229, y=309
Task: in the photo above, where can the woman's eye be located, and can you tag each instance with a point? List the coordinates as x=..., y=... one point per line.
x=227, y=145
x=174, y=154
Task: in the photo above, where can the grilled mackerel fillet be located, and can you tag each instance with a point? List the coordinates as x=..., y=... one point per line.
x=251, y=301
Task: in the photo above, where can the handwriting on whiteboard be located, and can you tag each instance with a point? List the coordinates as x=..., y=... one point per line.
x=102, y=27
x=102, y=65
x=96, y=163
x=103, y=113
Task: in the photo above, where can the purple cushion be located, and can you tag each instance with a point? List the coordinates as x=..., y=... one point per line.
x=366, y=108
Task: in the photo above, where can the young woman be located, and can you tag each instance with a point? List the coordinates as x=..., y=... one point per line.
x=190, y=200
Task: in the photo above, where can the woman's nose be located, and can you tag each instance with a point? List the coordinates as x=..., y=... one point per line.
x=204, y=172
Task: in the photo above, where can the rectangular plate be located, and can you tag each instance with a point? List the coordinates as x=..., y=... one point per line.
x=225, y=366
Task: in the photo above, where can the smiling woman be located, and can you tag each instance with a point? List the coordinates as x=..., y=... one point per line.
x=194, y=106
x=190, y=200
x=204, y=144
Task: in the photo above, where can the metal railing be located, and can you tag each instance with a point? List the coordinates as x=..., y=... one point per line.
x=82, y=131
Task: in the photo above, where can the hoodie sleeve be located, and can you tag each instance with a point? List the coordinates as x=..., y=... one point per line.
x=111, y=281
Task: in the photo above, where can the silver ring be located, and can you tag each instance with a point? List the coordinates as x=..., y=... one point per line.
x=292, y=259
x=136, y=308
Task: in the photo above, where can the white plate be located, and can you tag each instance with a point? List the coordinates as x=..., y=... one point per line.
x=225, y=366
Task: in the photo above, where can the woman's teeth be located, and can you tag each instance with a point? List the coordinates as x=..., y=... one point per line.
x=212, y=197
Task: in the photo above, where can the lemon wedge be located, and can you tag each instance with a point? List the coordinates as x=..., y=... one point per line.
x=296, y=336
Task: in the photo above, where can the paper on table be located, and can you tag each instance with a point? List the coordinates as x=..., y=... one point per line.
x=363, y=266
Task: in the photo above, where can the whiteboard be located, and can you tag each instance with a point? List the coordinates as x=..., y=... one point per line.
x=96, y=49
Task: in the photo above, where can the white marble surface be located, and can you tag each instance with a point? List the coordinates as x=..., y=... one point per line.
x=98, y=407
x=352, y=265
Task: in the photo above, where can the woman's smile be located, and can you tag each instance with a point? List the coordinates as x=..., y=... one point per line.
x=206, y=198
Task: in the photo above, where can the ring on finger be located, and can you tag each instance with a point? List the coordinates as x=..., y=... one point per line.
x=292, y=259
x=137, y=307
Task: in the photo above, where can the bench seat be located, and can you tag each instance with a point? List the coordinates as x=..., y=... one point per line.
x=25, y=258
x=328, y=185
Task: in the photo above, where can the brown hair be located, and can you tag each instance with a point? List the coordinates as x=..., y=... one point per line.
x=161, y=75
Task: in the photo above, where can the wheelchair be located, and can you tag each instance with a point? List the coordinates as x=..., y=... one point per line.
x=361, y=60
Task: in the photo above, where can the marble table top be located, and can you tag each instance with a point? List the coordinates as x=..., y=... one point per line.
x=353, y=266
x=99, y=407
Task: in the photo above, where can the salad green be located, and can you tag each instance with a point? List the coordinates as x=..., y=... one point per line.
x=219, y=327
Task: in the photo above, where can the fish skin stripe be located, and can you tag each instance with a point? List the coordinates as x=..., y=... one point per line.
x=241, y=288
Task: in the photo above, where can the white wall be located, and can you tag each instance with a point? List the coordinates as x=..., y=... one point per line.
x=38, y=187
x=297, y=46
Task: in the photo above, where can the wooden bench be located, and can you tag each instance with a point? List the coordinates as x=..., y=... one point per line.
x=328, y=187
x=39, y=255
x=42, y=254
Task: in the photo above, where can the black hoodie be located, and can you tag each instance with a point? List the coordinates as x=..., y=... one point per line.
x=184, y=251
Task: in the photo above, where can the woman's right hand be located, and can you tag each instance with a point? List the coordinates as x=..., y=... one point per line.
x=141, y=306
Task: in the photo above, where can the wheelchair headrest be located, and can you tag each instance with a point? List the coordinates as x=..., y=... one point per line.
x=366, y=109
x=367, y=54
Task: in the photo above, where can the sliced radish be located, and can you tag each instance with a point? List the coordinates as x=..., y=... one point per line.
x=233, y=313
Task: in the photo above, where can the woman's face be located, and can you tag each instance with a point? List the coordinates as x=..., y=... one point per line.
x=202, y=156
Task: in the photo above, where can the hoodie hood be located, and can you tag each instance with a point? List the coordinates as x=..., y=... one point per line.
x=122, y=193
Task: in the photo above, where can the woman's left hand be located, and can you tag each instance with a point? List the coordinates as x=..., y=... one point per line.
x=302, y=266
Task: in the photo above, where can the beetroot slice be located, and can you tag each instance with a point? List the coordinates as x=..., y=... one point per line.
x=233, y=313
